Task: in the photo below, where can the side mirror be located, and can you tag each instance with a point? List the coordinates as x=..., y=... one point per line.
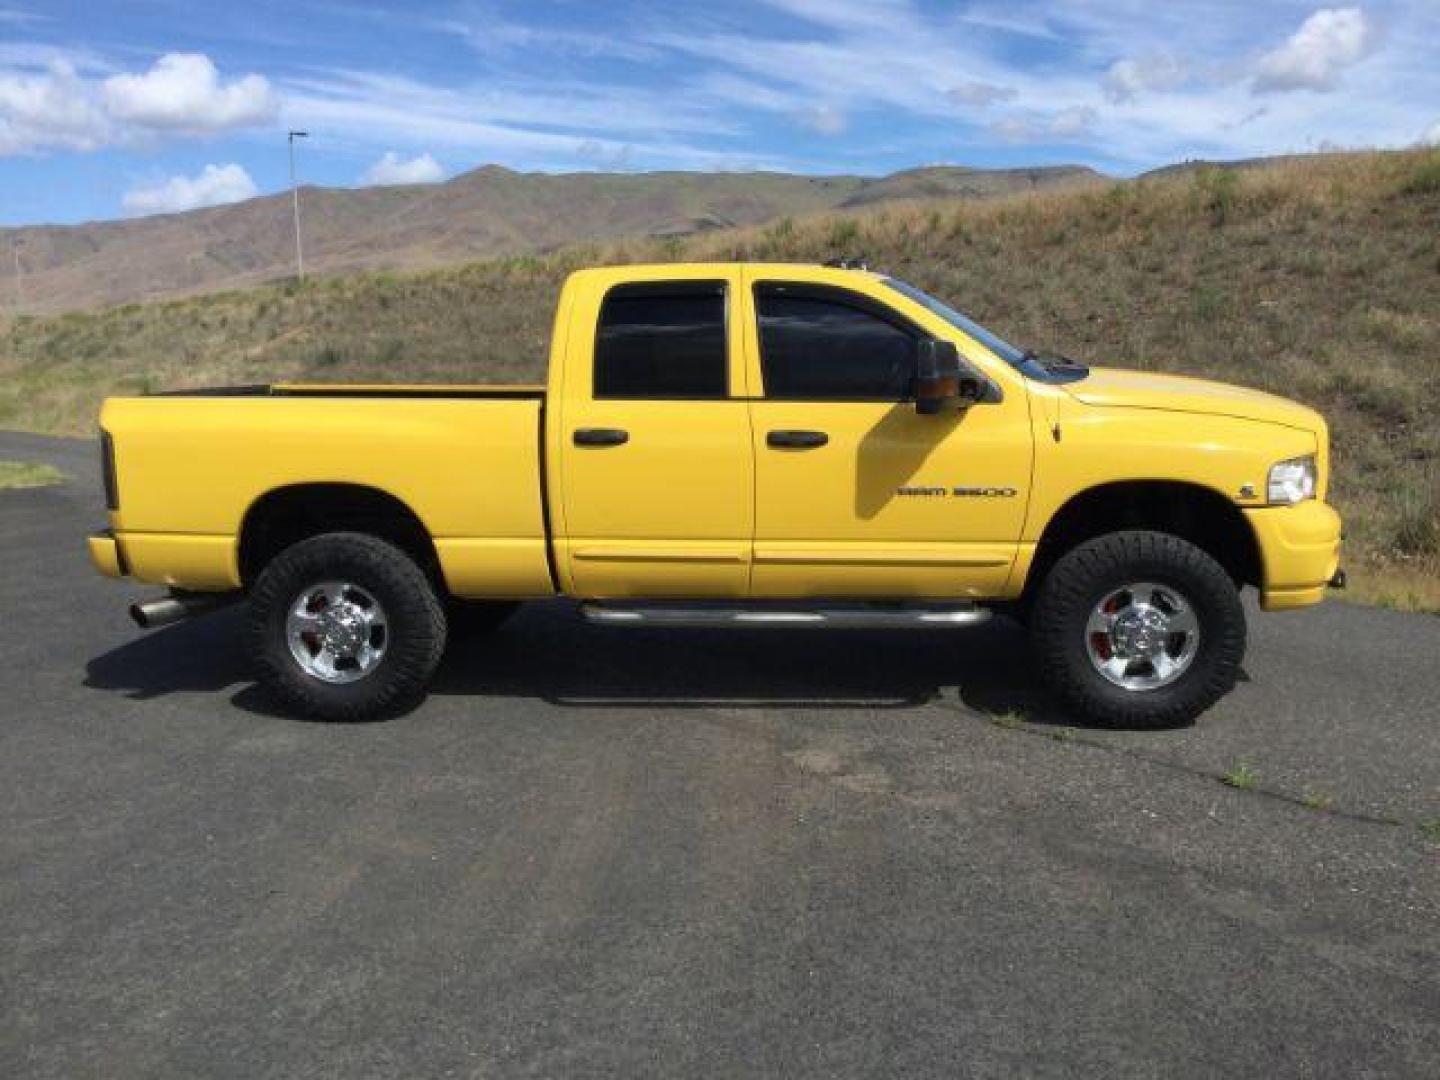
x=937, y=374
x=942, y=378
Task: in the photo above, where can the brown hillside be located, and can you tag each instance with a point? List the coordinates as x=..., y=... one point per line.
x=486, y=213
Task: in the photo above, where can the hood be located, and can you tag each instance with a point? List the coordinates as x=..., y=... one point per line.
x=1117, y=388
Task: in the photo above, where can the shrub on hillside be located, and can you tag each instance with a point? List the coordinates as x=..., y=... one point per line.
x=1417, y=525
x=1424, y=178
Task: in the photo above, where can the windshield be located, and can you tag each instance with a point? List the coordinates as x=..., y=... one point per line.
x=996, y=344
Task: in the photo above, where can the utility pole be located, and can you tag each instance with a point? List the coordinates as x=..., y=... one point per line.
x=295, y=199
x=19, y=278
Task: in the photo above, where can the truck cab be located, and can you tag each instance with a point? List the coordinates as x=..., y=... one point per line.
x=772, y=447
x=738, y=444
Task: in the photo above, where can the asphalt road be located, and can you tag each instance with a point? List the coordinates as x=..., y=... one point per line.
x=631, y=853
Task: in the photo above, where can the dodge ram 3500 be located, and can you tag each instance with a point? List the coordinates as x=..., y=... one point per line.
x=742, y=445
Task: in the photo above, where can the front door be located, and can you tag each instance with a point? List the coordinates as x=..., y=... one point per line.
x=856, y=494
x=656, y=462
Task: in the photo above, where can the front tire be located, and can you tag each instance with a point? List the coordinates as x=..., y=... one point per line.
x=1138, y=630
x=345, y=626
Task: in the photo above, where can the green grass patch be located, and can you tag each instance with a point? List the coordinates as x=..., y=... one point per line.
x=25, y=474
x=1241, y=777
x=1425, y=178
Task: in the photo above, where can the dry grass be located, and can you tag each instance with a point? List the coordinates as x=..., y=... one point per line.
x=1313, y=279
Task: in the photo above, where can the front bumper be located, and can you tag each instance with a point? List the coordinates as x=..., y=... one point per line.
x=1299, y=552
x=105, y=553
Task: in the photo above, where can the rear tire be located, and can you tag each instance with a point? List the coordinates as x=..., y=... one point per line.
x=1112, y=623
x=350, y=577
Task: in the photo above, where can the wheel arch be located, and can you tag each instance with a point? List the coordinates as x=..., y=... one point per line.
x=1193, y=512
x=286, y=515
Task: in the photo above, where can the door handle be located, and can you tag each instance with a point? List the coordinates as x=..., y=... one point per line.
x=797, y=440
x=601, y=436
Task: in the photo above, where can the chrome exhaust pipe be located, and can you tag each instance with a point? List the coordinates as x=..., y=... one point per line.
x=153, y=614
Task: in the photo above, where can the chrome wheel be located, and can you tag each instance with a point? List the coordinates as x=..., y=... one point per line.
x=1142, y=636
x=337, y=631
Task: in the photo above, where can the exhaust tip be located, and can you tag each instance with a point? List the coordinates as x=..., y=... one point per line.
x=153, y=614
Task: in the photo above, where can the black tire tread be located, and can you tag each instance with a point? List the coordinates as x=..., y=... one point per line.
x=1070, y=589
x=411, y=658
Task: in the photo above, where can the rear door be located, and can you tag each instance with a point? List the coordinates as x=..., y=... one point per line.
x=656, y=459
x=856, y=494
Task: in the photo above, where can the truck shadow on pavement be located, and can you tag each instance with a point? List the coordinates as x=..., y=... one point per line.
x=547, y=652
x=202, y=655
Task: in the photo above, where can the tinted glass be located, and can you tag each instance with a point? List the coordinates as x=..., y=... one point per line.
x=992, y=341
x=662, y=341
x=815, y=346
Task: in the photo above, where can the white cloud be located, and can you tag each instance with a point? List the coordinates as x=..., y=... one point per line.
x=32, y=56
x=52, y=109
x=1005, y=19
x=183, y=92
x=16, y=17
x=979, y=93
x=1122, y=85
x=52, y=99
x=824, y=119
x=491, y=35
x=1067, y=125
x=539, y=123
x=1187, y=87
x=1317, y=54
x=216, y=185
x=1071, y=122
x=1127, y=79
x=1432, y=135
x=393, y=169
x=860, y=16
x=609, y=157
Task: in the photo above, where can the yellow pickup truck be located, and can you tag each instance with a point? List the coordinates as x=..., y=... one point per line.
x=742, y=445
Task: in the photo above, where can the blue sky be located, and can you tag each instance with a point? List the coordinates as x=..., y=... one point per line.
x=116, y=109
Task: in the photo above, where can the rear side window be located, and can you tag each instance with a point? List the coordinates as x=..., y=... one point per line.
x=830, y=345
x=662, y=340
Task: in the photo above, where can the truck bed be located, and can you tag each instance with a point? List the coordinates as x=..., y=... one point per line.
x=466, y=461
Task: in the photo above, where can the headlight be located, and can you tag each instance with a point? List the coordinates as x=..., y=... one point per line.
x=1291, y=481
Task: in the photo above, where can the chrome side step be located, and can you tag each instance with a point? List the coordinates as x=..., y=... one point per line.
x=856, y=617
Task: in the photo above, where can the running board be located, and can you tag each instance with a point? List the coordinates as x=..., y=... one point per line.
x=820, y=618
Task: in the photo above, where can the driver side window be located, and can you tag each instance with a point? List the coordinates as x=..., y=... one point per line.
x=828, y=345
